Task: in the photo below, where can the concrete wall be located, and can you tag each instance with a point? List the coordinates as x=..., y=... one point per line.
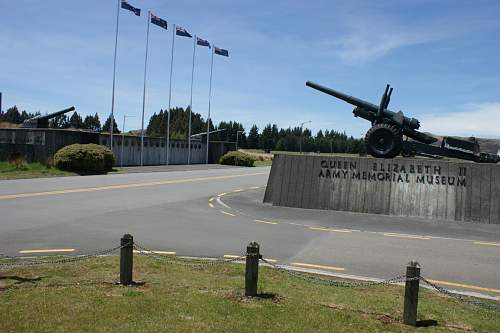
x=38, y=145
x=155, y=150
x=433, y=189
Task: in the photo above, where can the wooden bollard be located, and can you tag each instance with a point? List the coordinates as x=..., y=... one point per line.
x=411, y=293
x=252, y=269
x=126, y=260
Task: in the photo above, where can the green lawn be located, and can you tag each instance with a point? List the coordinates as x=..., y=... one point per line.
x=81, y=297
x=29, y=170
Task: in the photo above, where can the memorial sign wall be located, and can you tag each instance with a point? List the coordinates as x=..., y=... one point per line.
x=421, y=187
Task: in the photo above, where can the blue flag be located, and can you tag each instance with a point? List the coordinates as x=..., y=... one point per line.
x=127, y=6
x=202, y=42
x=180, y=31
x=221, y=52
x=158, y=21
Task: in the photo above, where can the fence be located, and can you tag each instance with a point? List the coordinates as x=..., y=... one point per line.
x=252, y=257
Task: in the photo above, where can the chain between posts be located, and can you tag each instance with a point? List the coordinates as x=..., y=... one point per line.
x=22, y=261
x=329, y=282
x=461, y=298
x=184, y=261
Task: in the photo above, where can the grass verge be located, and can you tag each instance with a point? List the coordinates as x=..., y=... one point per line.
x=82, y=298
x=30, y=170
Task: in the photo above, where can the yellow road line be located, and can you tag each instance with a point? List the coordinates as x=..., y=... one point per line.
x=47, y=250
x=231, y=256
x=224, y=212
x=123, y=186
x=159, y=252
x=221, y=194
x=328, y=229
x=467, y=286
x=211, y=199
x=266, y=222
x=332, y=268
x=238, y=190
x=487, y=243
x=211, y=205
x=390, y=234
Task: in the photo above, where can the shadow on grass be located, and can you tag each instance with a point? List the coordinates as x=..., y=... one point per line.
x=427, y=323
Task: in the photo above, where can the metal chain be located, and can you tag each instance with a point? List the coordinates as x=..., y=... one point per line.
x=336, y=283
x=21, y=262
x=468, y=300
x=184, y=261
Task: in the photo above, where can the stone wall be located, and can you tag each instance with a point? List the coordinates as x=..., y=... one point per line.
x=433, y=189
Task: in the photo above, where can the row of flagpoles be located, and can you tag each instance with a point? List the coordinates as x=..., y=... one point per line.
x=176, y=31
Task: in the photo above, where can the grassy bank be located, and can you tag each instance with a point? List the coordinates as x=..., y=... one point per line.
x=29, y=170
x=82, y=298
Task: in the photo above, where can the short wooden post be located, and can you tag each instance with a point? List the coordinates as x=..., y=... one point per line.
x=252, y=269
x=411, y=293
x=126, y=260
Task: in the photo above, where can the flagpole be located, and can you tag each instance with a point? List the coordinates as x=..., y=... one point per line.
x=191, y=102
x=144, y=90
x=209, y=100
x=114, y=76
x=170, y=94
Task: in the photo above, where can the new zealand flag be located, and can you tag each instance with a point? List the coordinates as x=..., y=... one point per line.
x=202, y=42
x=127, y=6
x=158, y=21
x=180, y=31
x=221, y=52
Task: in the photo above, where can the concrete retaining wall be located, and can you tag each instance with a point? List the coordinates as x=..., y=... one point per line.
x=433, y=189
x=38, y=145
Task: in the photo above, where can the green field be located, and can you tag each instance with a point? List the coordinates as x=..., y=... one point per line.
x=29, y=170
x=81, y=297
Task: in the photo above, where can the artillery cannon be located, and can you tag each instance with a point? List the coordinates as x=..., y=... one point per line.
x=385, y=138
x=43, y=121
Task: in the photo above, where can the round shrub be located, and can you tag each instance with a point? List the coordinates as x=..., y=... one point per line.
x=237, y=158
x=84, y=158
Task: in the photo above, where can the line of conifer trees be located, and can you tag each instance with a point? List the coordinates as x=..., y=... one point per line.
x=270, y=138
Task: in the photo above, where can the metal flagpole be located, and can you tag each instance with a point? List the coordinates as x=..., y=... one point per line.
x=191, y=102
x=209, y=100
x=170, y=94
x=144, y=90
x=114, y=76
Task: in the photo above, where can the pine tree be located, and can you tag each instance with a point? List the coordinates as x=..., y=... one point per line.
x=107, y=126
x=75, y=121
x=253, y=138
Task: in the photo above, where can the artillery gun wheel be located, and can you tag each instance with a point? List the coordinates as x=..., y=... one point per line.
x=384, y=141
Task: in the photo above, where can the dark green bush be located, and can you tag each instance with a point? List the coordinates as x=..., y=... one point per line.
x=237, y=158
x=84, y=158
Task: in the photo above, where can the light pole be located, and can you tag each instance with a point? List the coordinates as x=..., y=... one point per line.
x=300, y=141
x=238, y=132
x=123, y=138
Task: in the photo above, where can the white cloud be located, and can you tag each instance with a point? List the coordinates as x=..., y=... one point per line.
x=480, y=120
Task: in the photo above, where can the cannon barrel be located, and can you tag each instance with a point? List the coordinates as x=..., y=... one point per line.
x=43, y=121
x=411, y=123
x=55, y=114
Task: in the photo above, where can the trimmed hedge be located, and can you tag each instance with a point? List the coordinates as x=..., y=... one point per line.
x=237, y=158
x=84, y=158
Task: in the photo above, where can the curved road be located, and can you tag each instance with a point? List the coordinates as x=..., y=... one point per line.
x=217, y=211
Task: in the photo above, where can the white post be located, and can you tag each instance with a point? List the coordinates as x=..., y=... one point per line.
x=123, y=140
x=209, y=98
x=170, y=95
x=144, y=90
x=191, y=103
x=114, y=76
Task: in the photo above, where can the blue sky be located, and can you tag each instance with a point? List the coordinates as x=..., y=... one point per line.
x=442, y=58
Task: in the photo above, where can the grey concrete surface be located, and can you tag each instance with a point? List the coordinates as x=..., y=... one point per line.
x=171, y=211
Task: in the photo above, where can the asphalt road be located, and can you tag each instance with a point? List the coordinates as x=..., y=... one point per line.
x=216, y=212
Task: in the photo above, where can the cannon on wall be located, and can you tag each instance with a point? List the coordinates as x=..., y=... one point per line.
x=43, y=121
x=385, y=139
